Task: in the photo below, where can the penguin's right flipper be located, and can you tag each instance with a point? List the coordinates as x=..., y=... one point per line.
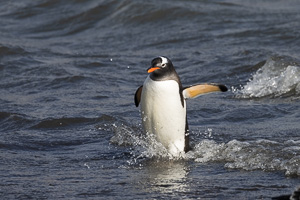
x=197, y=90
x=137, y=96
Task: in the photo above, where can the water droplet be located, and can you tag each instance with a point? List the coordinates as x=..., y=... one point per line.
x=86, y=165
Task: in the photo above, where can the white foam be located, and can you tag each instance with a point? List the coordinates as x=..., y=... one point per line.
x=261, y=154
x=274, y=78
x=257, y=155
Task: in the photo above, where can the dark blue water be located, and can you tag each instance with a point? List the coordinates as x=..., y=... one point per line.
x=69, y=128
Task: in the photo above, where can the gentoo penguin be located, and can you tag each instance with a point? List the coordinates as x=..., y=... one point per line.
x=163, y=106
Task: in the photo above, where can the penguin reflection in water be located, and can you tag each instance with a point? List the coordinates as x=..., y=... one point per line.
x=163, y=107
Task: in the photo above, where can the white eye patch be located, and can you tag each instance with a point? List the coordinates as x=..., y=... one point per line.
x=164, y=61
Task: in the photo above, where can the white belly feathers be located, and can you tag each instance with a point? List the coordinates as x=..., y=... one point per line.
x=163, y=114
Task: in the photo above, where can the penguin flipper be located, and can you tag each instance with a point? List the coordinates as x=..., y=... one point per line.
x=137, y=96
x=200, y=89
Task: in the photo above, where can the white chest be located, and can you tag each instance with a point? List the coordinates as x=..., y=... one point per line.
x=163, y=113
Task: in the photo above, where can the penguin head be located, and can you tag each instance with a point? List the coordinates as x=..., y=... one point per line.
x=160, y=67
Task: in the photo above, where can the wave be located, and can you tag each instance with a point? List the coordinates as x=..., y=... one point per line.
x=62, y=19
x=260, y=154
x=7, y=50
x=71, y=122
x=63, y=122
x=264, y=155
x=14, y=121
x=278, y=77
x=24, y=133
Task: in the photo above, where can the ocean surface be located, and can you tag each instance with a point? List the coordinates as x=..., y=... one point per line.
x=69, y=128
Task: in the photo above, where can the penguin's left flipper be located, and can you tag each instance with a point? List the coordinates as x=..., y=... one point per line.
x=137, y=96
x=197, y=90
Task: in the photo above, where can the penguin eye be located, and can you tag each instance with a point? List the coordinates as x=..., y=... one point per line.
x=163, y=65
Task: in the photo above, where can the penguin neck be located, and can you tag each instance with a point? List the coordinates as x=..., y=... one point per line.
x=170, y=75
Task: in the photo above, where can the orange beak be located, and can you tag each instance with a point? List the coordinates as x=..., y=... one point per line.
x=152, y=69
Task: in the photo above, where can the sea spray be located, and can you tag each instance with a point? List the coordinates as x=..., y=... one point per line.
x=277, y=77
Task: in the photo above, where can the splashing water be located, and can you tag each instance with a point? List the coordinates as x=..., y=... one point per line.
x=255, y=155
x=144, y=145
x=261, y=154
x=277, y=77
